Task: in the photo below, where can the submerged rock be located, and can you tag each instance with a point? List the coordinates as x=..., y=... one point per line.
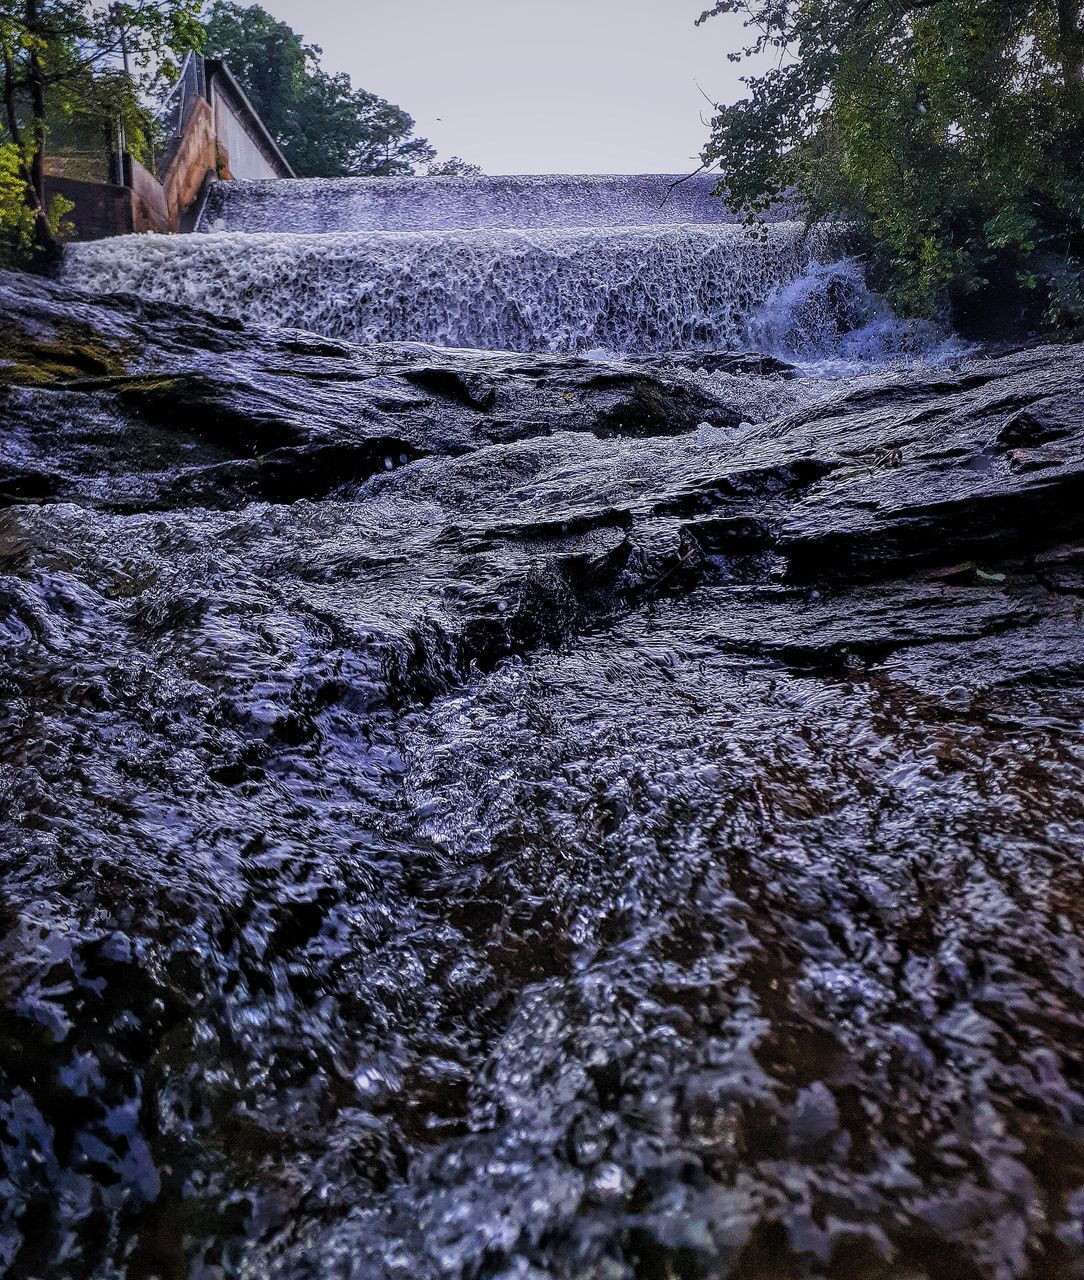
x=176, y=406
x=464, y=818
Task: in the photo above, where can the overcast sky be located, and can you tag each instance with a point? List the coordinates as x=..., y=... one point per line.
x=536, y=86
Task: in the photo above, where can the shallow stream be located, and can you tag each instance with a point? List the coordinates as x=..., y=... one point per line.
x=532, y=816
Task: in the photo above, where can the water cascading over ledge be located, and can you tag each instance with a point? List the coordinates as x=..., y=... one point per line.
x=639, y=289
x=447, y=204
x=634, y=265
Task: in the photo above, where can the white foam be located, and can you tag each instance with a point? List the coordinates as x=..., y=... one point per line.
x=631, y=289
x=617, y=265
x=828, y=321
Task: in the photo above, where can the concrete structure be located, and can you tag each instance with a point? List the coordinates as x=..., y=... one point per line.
x=212, y=132
x=247, y=149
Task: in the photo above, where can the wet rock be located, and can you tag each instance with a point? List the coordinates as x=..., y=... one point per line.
x=159, y=407
x=459, y=821
x=733, y=362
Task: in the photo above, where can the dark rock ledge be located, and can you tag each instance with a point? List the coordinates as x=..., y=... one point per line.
x=461, y=817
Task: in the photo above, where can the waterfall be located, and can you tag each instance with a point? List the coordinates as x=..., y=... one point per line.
x=641, y=289
x=634, y=265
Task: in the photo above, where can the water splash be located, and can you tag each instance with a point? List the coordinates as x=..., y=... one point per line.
x=831, y=324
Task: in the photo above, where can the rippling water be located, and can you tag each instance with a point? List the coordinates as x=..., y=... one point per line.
x=483, y=817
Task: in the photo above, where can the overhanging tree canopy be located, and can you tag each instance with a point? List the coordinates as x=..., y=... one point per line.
x=953, y=130
x=55, y=57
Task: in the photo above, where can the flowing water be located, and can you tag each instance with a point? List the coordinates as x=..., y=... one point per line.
x=526, y=817
x=625, y=265
x=455, y=204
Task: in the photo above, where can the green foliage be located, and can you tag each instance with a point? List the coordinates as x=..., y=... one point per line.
x=951, y=131
x=453, y=168
x=60, y=79
x=74, y=49
x=86, y=113
x=325, y=127
x=16, y=215
x=57, y=213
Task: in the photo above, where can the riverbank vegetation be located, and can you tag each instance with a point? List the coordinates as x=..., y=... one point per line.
x=61, y=73
x=16, y=217
x=951, y=132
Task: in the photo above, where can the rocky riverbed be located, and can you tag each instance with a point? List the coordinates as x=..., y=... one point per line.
x=515, y=817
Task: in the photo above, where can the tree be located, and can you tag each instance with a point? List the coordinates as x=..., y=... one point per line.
x=53, y=55
x=951, y=131
x=16, y=216
x=325, y=127
x=389, y=146
x=453, y=168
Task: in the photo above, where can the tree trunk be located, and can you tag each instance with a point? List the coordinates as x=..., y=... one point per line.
x=44, y=240
x=10, y=114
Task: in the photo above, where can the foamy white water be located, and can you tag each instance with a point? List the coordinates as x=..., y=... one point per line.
x=444, y=204
x=636, y=289
x=635, y=265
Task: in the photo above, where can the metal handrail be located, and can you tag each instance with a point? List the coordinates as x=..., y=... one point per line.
x=173, y=110
x=178, y=90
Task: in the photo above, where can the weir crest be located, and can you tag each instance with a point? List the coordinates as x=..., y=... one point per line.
x=610, y=264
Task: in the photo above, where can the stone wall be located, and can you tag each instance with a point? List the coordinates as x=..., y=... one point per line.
x=100, y=209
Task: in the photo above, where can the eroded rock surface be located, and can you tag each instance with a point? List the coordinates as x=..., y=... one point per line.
x=470, y=815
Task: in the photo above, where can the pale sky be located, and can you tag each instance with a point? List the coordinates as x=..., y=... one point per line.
x=536, y=86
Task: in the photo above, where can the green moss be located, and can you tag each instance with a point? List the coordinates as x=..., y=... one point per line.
x=72, y=354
